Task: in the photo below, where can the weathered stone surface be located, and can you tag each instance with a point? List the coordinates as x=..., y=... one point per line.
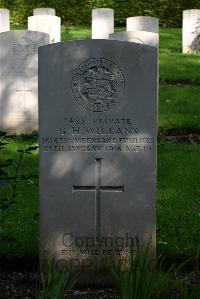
x=140, y=37
x=47, y=24
x=102, y=23
x=191, y=31
x=142, y=23
x=19, y=80
x=44, y=11
x=97, y=119
x=4, y=20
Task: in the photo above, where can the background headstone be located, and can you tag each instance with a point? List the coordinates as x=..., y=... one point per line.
x=140, y=37
x=102, y=23
x=44, y=11
x=191, y=31
x=4, y=20
x=47, y=24
x=98, y=114
x=142, y=23
x=19, y=80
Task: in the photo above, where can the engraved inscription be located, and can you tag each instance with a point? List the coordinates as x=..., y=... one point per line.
x=98, y=84
x=98, y=135
x=98, y=189
x=23, y=47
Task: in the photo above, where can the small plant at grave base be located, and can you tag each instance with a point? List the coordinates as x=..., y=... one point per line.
x=10, y=176
x=139, y=276
x=66, y=32
x=55, y=282
x=186, y=289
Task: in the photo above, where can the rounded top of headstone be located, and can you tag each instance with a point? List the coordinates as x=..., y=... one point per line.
x=191, y=12
x=143, y=17
x=147, y=18
x=194, y=9
x=23, y=35
x=102, y=11
x=142, y=23
x=43, y=17
x=140, y=37
x=4, y=10
x=44, y=11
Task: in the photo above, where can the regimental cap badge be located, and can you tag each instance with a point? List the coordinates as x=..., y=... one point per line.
x=98, y=84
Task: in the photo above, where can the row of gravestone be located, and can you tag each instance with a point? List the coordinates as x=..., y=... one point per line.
x=44, y=20
x=19, y=70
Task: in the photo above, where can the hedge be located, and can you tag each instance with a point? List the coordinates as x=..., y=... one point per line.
x=79, y=11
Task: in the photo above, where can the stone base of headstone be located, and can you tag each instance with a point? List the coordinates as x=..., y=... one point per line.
x=191, y=31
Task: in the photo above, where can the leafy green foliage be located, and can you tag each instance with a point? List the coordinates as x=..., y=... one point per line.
x=79, y=11
x=11, y=176
x=186, y=289
x=139, y=276
x=55, y=282
x=14, y=179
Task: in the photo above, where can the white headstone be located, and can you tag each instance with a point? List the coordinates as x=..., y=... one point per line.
x=98, y=131
x=4, y=20
x=46, y=24
x=19, y=80
x=142, y=23
x=140, y=37
x=191, y=31
x=102, y=23
x=44, y=11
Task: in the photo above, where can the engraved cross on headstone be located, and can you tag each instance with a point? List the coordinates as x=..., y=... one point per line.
x=98, y=189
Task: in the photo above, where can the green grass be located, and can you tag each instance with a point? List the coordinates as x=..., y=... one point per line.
x=170, y=40
x=178, y=208
x=179, y=107
x=174, y=66
x=75, y=32
x=179, y=67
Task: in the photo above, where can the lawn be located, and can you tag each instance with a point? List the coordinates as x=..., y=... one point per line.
x=179, y=107
x=178, y=208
